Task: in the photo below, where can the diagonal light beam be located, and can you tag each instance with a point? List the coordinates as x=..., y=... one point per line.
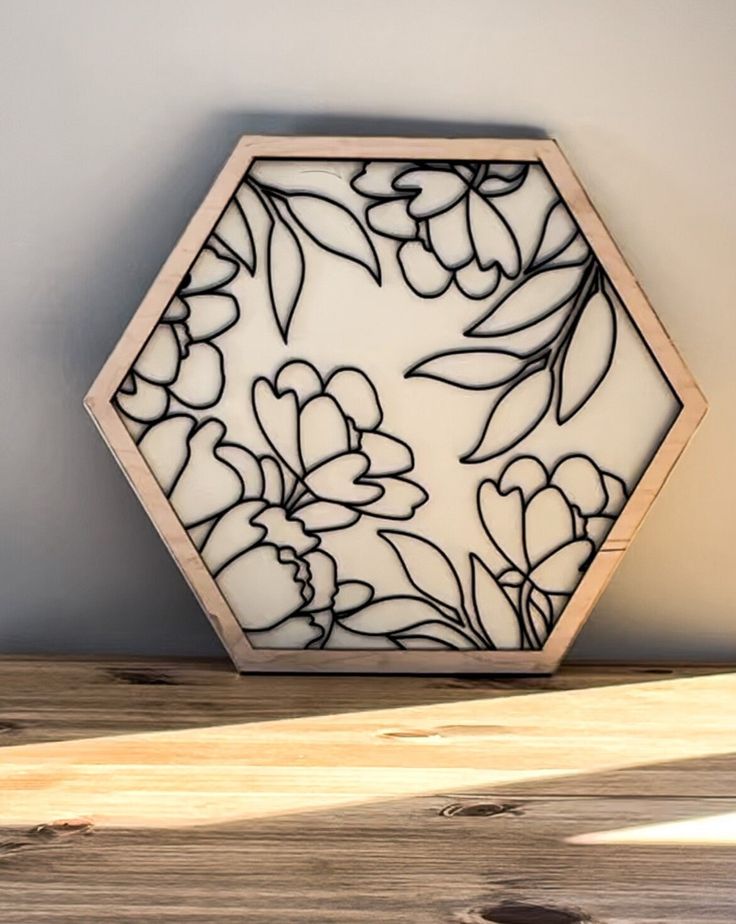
x=251, y=770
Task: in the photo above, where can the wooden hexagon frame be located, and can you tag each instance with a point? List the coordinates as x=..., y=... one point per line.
x=99, y=403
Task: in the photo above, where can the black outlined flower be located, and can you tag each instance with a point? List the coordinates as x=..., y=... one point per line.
x=281, y=586
x=179, y=361
x=445, y=217
x=327, y=436
x=547, y=526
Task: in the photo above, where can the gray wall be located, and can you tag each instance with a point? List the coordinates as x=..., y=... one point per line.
x=117, y=115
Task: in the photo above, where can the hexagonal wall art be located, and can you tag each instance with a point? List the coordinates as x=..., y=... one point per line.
x=396, y=405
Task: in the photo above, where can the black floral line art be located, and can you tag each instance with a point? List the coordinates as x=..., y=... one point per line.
x=326, y=435
x=546, y=526
x=261, y=520
x=444, y=217
x=572, y=319
x=179, y=361
x=259, y=523
x=436, y=617
x=326, y=222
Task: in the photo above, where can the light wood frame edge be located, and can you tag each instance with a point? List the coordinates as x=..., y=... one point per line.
x=98, y=402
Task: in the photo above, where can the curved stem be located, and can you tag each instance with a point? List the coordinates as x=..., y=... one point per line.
x=590, y=274
x=529, y=629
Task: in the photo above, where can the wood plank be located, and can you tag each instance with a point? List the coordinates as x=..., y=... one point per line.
x=177, y=791
x=385, y=862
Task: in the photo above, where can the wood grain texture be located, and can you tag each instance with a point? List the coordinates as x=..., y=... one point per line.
x=176, y=791
x=99, y=404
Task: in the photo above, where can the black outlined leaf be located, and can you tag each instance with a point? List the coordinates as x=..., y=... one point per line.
x=576, y=252
x=285, y=272
x=557, y=233
x=233, y=232
x=538, y=296
x=588, y=356
x=336, y=229
x=471, y=369
x=391, y=615
x=535, y=337
x=497, y=616
x=517, y=412
x=426, y=566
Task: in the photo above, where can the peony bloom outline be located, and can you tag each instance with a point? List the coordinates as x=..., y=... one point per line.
x=444, y=216
x=546, y=526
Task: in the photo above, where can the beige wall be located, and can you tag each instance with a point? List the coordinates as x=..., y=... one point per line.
x=116, y=115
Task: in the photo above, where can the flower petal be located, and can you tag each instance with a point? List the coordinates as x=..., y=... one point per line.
x=323, y=431
x=597, y=528
x=493, y=241
x=392, y=219
x=176, y=311
x=145, y=403
x=206, y=485
x=548, y=524
x=615, y=493
x=278, y=418
x=301, y=378
x=246, y=465
x=388, y=455
x=525, y=473
x=165, y=448
x=357, y=397
x=352, y=595
x=292, y=633
x=323, y=579
x=511, y=578
x=211, y=315
x=158, y=361
x=581, y=483
x=449, y=236
x=283, y=531
x=377, y=177
x=339, y=480
x=234, y=533
x=198, y=534
x=399, y=500
x=560, y=573
x=476, y=282
x=323, y=516
x=273, y=480
x=201, y=378
x=502, y=516
x=209, y=271
x=261, y=589
x=423, y=272
x=437, y=190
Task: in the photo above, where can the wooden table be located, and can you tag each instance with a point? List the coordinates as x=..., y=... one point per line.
x=154, y=791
